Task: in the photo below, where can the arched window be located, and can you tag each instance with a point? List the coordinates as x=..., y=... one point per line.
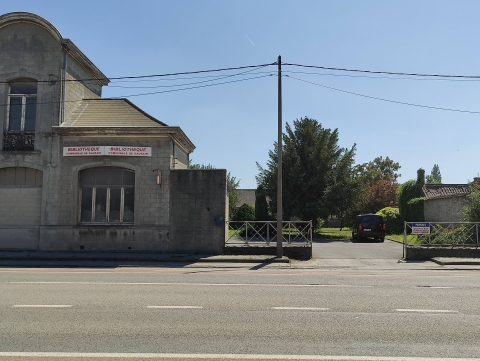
x=22, y=114
x=107, y=195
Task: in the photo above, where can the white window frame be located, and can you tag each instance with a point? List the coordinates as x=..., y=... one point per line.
x=24, y=105
x=107, y=206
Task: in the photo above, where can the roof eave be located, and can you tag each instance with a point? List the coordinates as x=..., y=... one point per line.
x=175, y=132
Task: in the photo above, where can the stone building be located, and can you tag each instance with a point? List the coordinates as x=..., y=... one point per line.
x=80, y=172
x=444, y=202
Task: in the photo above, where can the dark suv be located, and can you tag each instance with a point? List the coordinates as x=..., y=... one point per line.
x=369, y=226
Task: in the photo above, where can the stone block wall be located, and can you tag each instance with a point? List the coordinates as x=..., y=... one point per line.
x=198, y=210
x=444, y=209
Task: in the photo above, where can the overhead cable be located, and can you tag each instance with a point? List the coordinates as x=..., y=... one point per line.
x=384, y=100
x=386, y=72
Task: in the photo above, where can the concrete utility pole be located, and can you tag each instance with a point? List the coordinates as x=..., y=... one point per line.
x=279, y=165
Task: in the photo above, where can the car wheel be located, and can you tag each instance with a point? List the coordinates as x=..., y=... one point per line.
x=382, y=239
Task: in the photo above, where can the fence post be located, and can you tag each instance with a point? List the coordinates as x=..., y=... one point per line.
x=476, y=226
x=311, y=234
x=268, y=233
x=453, y=234
x=404, y=237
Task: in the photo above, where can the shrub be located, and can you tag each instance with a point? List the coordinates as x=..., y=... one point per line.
x=393, y=220
x=244, y=213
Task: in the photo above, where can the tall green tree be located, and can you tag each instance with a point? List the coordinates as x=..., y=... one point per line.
x=378, y=182
x=317, y=172
x=435, y=177
x=261, y=205
x=379, y=169
x=232, y=186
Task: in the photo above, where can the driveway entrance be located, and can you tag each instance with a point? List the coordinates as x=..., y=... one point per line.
x=346, y=249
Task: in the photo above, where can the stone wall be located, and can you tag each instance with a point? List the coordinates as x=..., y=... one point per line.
x=198, y=210
x=444, y=209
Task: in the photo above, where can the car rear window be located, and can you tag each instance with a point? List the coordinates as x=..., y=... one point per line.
x=371, y=219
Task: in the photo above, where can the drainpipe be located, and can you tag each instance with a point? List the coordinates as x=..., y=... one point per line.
x=64, y=85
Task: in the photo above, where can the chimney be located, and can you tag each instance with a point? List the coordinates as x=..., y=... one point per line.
x=476, y=181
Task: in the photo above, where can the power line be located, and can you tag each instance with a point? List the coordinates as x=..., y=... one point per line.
x=199, y=82
x=380, y=77
x=386, y=72
x=384, y=100
x=157, y=75
x=194, y=87
x=165, y=91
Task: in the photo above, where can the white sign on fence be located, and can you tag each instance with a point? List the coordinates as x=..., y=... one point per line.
x=421, y=228
x=107, y=150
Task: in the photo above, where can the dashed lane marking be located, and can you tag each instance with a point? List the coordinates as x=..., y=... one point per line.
x=41, y=306
x=301, y=308
x=176, y=307
x=424, y=311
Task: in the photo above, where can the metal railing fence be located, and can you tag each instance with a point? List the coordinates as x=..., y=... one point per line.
x=452, y=234
x=266, y=231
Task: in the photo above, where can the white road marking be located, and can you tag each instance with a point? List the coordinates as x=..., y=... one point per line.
x=226, y=356
x=173, y=307
x=301, y=308
x=184, y=284
x=41, y=306
x=424, y=311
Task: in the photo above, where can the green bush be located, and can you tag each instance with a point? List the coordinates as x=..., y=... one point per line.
x=393, y=220
x=244, y=213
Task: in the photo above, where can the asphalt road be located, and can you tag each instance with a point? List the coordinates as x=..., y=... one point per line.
x=240, y=311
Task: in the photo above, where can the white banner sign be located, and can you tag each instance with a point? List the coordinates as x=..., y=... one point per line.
x=108, y=150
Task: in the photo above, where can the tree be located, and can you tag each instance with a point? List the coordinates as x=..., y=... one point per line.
x=378, y=180
x=471, y=211
x=317, y=172
x=261, y=205
x=232, y=186
x=435, y=176
x=379, y=168
x=410, y=200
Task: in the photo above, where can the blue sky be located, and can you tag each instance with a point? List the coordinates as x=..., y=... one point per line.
x=234, y=125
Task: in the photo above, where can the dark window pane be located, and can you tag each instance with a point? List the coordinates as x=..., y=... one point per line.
x=115, y=177
x=10, y=176
x=101, y=205
x=20, y=179
x=30, y=114
x=30, y=176
x=87, y=177
x=86, y=208
x=39, y=178
x=115, y=200
x=15, y=115
x=23, y=88
x=128, y=204
x=128, y=178
x=102, y=176
x=2, y=177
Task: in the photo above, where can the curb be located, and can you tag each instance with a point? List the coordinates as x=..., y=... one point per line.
x=136, y=257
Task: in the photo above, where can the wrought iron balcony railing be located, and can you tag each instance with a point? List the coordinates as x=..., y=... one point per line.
x=18, y=141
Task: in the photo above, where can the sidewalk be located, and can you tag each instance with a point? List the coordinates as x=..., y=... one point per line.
x=126, y=259
x=89, y=259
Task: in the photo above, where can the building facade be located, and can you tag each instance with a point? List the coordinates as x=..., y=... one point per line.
x=79, y=172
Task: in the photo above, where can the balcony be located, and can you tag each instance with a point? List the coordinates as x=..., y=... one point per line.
x=18, y=141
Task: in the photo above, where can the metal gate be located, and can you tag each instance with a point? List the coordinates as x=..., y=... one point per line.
x=245, y=232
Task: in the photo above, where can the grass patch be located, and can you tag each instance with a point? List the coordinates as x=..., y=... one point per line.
x=333, y=233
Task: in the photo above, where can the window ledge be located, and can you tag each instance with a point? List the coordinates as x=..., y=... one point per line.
x=23, y=152
x=103, y=225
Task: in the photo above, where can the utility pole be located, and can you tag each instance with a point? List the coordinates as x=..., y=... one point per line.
x=279, y=165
